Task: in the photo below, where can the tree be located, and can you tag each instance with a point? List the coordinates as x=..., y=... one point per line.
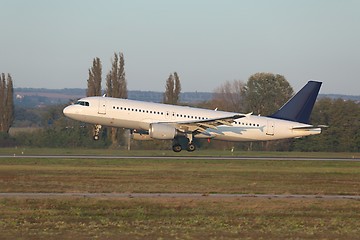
x=230, y=96
x=115, y=79
x=172, y=89
x=266, y=92
x=94, y=84
x=6, y=102
x=94, y=80
x=343, y=134
x=116, y=86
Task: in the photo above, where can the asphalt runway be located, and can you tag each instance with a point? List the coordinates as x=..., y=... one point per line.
x=176, y=195
x=183, y=157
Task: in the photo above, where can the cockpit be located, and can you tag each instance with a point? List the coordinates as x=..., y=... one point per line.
x=82, y=103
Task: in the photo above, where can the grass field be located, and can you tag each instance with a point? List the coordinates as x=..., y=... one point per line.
x=174, y=218
x=83, y=218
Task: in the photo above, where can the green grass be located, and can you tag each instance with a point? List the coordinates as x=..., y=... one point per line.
x=178, y=218
x=126, y=218
x=179, y=175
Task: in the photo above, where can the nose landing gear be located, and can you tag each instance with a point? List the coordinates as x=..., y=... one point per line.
x=97, y=129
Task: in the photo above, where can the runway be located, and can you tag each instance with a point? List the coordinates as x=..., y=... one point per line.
x=176, y=195
x=354, y=159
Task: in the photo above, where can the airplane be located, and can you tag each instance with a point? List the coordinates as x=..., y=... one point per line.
x=148, y=121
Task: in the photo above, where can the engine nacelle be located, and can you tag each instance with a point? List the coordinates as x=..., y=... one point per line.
x=162, y=131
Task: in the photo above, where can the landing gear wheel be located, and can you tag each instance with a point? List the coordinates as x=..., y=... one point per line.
x=191, y=147
x=177, y=148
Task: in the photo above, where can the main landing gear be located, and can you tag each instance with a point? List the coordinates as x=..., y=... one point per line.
x=97, y=129
x=177, y=147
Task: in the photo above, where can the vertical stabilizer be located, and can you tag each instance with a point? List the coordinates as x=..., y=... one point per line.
x=299, y=107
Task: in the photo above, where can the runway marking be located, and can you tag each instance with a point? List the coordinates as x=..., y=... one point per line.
x=175, y=195
x=183, y=157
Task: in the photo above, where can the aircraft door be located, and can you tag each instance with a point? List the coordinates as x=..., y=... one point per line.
x=270, y=128
x=102, y=106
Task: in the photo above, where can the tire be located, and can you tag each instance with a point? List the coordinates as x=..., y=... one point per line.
x=191, y=147
x=177, y=148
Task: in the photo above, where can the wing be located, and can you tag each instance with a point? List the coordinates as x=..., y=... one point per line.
x=202, y=125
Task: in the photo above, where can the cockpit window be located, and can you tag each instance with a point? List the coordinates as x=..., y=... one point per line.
x=82, y=103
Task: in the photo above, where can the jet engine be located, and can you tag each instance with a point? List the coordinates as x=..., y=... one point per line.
x=162, y=131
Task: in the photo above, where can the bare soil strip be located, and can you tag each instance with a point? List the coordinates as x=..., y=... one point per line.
x=174, y=195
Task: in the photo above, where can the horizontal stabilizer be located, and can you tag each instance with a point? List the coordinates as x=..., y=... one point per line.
x=310, y=127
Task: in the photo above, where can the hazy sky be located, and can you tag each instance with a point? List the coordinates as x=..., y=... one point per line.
x=51, y=44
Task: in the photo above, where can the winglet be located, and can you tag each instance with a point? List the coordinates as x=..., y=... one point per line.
x=299, y=107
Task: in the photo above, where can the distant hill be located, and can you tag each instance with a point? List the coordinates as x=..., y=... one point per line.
x=345, y=97
x=38, y=97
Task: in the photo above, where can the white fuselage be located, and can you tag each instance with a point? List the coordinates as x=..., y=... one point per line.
x=124, y=113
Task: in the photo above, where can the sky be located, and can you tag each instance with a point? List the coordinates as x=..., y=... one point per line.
x=51, y=44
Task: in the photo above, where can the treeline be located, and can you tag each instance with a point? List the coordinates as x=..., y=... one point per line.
x=343, y=134
x=262, y=94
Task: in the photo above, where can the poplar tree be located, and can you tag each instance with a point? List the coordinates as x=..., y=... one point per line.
x=116, y=87
x=172, y=89
x=7, y=102
x=94, y=80
x=177, y=88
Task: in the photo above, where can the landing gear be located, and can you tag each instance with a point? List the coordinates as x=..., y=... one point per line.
x=191, y=147
x=97, y=129
x=179, y=142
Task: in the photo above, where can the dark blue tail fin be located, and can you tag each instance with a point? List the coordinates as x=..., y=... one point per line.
x=299, y=107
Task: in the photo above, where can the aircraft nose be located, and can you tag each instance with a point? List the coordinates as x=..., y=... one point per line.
x=68, y=111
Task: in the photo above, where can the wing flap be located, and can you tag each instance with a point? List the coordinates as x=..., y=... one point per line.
x=202, y=125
